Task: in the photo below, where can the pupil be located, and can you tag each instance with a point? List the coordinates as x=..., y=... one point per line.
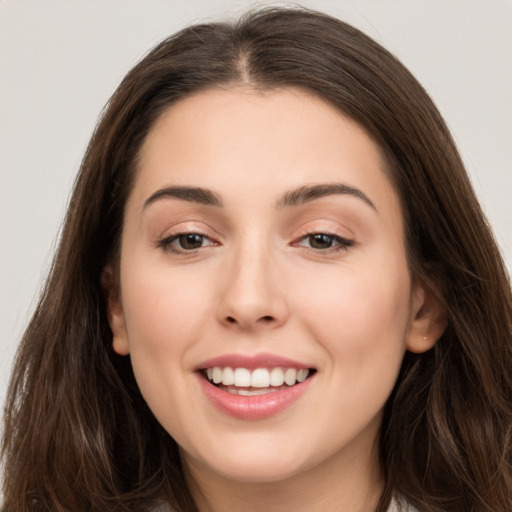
x=191, y=241
x=320, y=241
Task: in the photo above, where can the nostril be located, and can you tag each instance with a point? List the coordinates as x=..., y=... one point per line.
x=262, y=320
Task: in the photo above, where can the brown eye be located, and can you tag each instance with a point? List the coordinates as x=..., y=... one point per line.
x=185, y=242
x=324, y=242
x=190, y=241
x=320, y=241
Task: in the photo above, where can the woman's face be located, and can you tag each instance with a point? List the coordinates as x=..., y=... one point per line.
x=263, y=241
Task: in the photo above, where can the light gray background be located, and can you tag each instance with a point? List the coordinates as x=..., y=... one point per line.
x=61, y=60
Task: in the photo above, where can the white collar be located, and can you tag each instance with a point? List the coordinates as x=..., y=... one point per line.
x=393, y=507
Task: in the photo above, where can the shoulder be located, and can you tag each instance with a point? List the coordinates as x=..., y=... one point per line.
x=396, y=506
x=400, y=506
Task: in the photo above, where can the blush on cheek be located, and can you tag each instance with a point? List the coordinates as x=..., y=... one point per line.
x=157, y=309
x=366, y=315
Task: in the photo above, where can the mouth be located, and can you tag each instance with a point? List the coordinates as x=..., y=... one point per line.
x=256, y=381
x=256, y=386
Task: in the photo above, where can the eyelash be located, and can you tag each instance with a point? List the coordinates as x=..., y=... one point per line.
x=166, y=243
x=342, y=244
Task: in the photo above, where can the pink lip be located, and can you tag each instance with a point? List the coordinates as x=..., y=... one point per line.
x=253, y=407
x=251, y=362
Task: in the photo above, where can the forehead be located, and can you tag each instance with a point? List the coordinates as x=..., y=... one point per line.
x=230, y=138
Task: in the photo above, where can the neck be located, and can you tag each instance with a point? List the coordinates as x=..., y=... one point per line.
x=350, y=482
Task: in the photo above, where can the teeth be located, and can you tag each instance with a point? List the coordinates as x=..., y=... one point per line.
x=302, y=374
x=250, y=392
x=258, y=378
x=217, y=375
x=290, y=376
x=242, y=377
x=277, y=377
x=228, y=376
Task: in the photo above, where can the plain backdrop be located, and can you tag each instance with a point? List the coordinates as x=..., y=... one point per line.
x=61, y=60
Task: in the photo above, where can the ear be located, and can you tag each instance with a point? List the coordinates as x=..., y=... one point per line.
x=115, y=314
x=428, y=320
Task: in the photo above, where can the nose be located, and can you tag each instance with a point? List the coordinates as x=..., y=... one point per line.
x=252, y=295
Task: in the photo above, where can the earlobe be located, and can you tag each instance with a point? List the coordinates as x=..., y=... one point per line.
x=120, y=346
x=428, y=320
x=115, y=314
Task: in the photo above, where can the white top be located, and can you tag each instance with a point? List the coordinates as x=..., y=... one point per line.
x=392, y=508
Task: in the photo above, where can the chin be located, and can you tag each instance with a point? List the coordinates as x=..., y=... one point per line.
x=260, y=471
x=250, y=464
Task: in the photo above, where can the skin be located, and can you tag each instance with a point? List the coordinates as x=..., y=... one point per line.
x=257, y=285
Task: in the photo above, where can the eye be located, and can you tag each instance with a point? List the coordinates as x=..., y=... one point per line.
x=324, y=241
x=185, y=242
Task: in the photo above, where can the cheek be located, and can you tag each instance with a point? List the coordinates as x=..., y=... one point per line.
x=165, y=317
x=163, y=312
x=360, y=316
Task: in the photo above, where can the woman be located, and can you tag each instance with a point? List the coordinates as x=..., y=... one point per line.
x=275, y=290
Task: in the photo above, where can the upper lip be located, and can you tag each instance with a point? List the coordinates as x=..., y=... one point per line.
x=262, y=360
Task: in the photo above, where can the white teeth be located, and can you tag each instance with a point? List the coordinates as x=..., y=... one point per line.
x=302, y=374
x=258, y=378
x=228, y=376
x=242, y=378
x=276, y=377
x=217, y=375
x=290, y=376
x=250, y=392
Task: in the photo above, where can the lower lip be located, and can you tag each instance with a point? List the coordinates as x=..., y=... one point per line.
x=254, y=407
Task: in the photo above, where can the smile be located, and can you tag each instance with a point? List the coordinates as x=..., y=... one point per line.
x=254, y=387
x=239, y=381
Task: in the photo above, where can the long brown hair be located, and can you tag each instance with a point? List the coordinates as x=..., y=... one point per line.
x=78, y=435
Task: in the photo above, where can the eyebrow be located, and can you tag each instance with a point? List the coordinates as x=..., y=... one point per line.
x=311, y=192
x=192, y=194
x=292, y=198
